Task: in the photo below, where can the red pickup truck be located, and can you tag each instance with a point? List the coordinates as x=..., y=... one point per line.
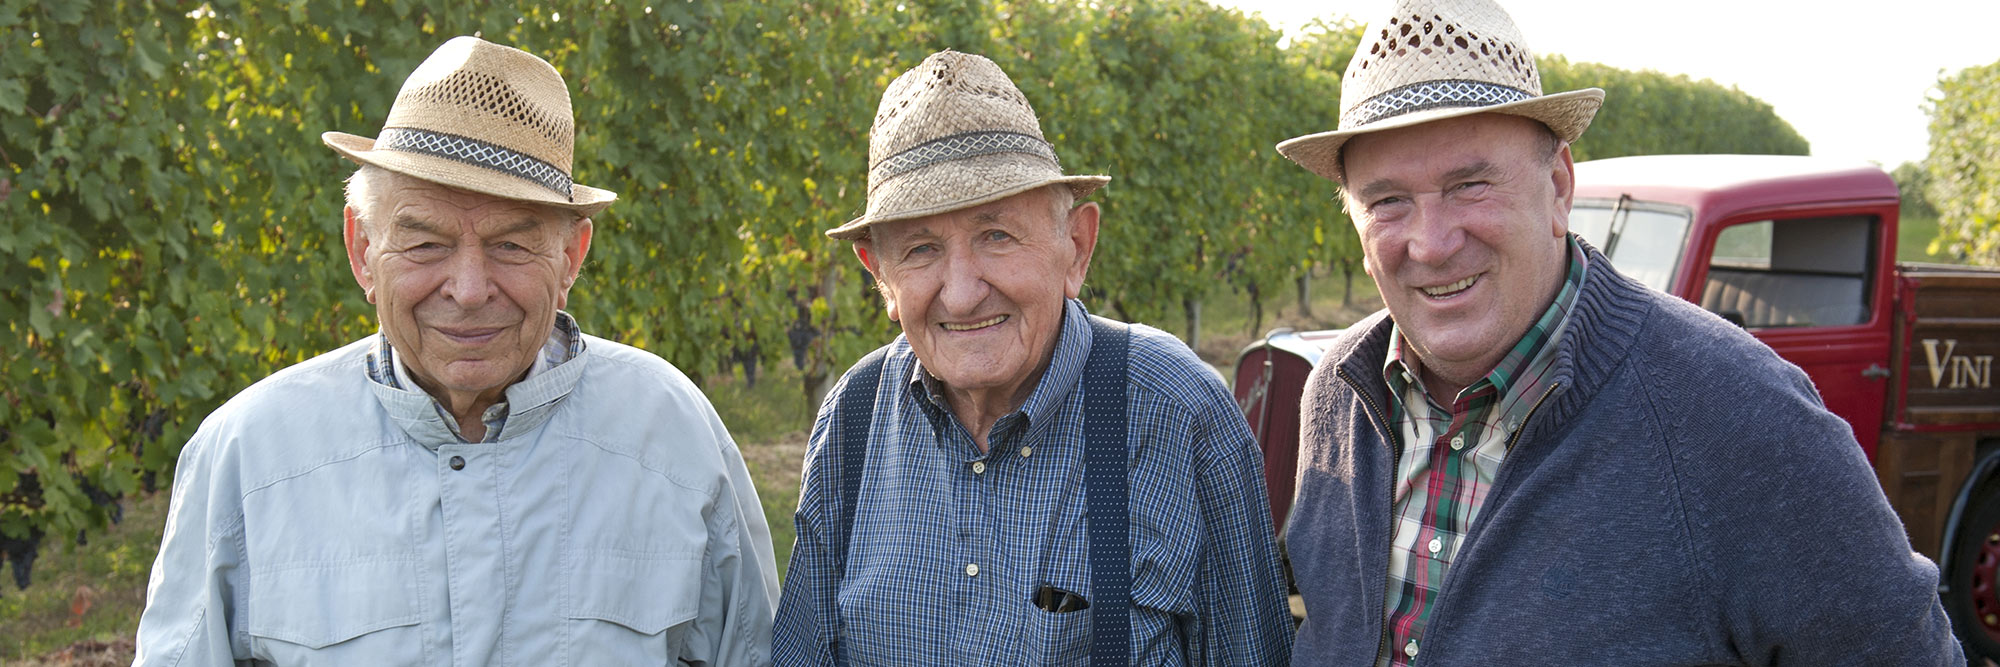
x=1801, y=252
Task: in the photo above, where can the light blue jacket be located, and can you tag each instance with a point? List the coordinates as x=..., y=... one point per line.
x=322, y=518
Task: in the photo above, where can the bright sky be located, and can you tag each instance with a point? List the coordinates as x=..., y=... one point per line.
x=1851, y=77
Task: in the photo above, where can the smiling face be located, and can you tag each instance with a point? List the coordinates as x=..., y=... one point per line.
x=466, y=285
x=980, y=291
x=1462, y=224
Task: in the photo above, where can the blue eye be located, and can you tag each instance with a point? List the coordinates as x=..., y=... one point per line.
x=997, y=235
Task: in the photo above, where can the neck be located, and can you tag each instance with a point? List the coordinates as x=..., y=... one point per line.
x=466, y=408
x=979, y=409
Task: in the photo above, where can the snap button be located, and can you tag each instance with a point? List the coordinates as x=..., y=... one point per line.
x=458, y=463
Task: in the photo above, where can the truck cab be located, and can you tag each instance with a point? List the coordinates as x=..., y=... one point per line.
x=1801, y=253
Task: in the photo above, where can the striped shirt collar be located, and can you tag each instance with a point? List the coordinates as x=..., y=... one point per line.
x=1401, y=367
x=1064, y=372
x=539, y=389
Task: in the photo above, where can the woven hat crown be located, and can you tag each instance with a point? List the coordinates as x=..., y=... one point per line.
x=508, y=96
x=1434, y=59
x=486, y=118
x=1423, y=56
x=951, y=133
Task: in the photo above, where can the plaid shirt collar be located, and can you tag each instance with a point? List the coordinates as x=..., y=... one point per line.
x=1064, y=371
x=1402, y=368
x=547, y=381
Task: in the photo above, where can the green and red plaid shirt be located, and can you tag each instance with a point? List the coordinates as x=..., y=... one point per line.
x=1451, y=458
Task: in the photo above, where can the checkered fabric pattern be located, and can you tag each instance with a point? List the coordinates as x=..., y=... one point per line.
x=951, y=544
x=1430, y=95
x=961, y=146
x=1451, y=458
x=477, y=153
x=564, y=343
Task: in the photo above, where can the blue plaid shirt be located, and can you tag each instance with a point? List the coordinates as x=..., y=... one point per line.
x=951, y=544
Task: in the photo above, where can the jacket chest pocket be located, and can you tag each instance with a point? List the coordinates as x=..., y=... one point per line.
x=345, y=613
x=630, y=608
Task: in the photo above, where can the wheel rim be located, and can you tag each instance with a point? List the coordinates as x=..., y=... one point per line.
x=1985, y=592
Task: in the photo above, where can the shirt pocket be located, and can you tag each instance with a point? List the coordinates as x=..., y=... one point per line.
x=340, y=613
x=630, y=608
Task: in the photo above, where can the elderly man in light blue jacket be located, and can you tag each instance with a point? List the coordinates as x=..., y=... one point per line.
x=481, y=483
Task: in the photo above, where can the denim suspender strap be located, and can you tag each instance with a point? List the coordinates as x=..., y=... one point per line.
x=857, y=413
x=1105, y=481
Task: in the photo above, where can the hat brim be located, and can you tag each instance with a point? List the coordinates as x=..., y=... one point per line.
x=1079, y=186
x=1568, y=114
x=586, y=201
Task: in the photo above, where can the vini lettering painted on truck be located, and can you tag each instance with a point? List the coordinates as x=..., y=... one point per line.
x=1974, y=372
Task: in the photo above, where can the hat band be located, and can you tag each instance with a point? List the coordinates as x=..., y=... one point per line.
x=1426, y=95
x=477, y=153
x=961, y=146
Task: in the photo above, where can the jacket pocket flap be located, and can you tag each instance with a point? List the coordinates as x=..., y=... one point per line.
x=645, y=592
x=320, y=605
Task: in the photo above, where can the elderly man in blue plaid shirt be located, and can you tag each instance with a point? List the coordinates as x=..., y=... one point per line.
x=945, y=517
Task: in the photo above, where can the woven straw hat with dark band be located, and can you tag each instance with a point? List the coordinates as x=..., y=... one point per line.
x=951, y=133
x=486, y=118
x=1435, y=59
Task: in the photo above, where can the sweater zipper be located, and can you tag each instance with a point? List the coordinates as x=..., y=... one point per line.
x=1512, y=439
x=1396, y=447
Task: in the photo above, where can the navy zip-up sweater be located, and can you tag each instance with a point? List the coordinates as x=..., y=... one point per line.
x=1680, y=498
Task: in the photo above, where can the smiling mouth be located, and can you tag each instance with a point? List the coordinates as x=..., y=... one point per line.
x=470, y=335
x=1443, y=291
x=997, y=319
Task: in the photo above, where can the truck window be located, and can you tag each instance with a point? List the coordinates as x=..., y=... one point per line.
x=1801, y=272
x=1644, y=240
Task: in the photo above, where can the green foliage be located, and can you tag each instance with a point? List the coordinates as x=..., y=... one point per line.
x=172, y=221
x=1964, y=163
x=1649, y=113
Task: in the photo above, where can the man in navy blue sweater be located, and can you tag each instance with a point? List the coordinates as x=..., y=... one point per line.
x=1531, y=459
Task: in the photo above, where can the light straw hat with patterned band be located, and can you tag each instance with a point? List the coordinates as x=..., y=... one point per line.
x=486, y=118
x=1435, y=59
x=951, y=133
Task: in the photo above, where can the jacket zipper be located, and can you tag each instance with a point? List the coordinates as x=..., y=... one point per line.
x=1396, y=447
x=1512, y=439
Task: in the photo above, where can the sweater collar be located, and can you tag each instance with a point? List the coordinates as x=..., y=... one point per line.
x=1604, y=325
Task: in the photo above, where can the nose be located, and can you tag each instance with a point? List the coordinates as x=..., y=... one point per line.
x=1434, y=232
x=964, y=283
x=469, y=279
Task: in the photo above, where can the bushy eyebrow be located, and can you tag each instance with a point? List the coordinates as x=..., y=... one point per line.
x=1476, y=171
x=420, y=225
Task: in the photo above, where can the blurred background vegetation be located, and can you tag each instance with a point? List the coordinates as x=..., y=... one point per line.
x=170, y=227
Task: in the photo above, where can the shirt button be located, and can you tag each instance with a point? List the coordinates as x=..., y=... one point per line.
x=978, y=467
x=1436, y=545
x=458, y=463
x=1410, y=649
x=1025, y=451
x=1458, y=442
x=972, y=569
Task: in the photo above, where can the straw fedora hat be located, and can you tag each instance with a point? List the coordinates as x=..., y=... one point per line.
x=485, y=118
x=951, y=133
x=1435, y=59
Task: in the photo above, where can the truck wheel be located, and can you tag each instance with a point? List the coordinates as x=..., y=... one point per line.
x=1974, y=600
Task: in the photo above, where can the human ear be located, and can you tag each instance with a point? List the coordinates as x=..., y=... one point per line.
x=354, y=234
x=1083, y=221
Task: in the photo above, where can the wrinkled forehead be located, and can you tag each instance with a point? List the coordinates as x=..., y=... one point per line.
x=416, y=205
x=1025, y=213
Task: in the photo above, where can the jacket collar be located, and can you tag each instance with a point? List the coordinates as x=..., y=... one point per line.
x=529, y=403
